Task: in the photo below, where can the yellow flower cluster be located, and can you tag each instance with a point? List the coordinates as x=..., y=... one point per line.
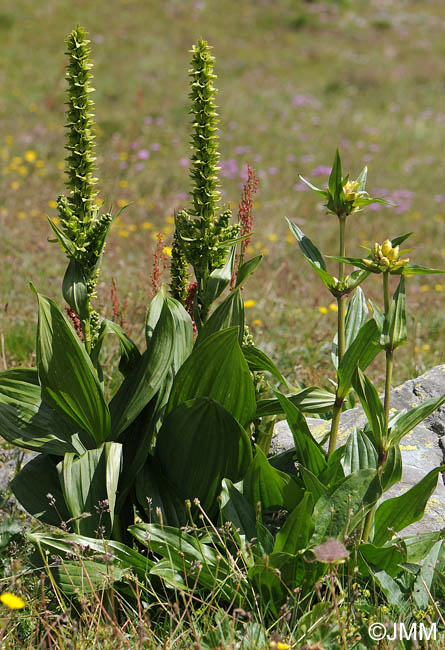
x=385, y=257
x=12, y=601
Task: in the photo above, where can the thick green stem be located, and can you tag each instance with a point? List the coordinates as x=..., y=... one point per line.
x=368, y=524
x=341, y=302
x=389, y=366
x=341, y=266
x=334, y=426
x=87, y=334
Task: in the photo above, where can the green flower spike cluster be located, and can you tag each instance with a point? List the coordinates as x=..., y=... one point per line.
x=203, y=235
x=83, y=232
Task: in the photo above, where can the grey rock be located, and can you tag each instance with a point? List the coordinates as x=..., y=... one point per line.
x=422, y=449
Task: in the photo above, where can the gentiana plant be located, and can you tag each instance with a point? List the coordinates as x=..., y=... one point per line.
x=164, y=478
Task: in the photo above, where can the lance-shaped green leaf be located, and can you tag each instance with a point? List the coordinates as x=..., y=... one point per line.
x=312, y=483
x=147, y=376
x=259, y=362
x=183, y=551
x=399, y=240
x=130, y=354
x=219, y=279
x=89, y=482
x=74, y=289
x=353, y=261
x=360, y=453
x=37, y=488
x=246, y=270
x=373, y=407
x=230, y=313
x=309, y=400
x=356, y=317
x=297, y=529
x=198, y=445
x=360, y=353
x=313, y=256
x=268, y=486
x=423, y=584
x=385, y=558
x=127, y=557
x=392, y=471
x=69, y=380
x=67, y=245
x=407, y=421
x=340, y=509
x=416, y=269
x=335, y=183
x=307, y=450
x=217, y=369
x=396, y=514
x=27, y=421
x=318, y=190
x=394, y=327
x=378, y=315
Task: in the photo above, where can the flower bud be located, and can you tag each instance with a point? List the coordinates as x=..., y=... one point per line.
x=386, y=248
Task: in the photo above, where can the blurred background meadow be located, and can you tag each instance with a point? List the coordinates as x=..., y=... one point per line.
x=296, y=79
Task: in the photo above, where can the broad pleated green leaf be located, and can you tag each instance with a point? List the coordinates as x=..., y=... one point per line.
x=217, y=369
x=36, y=485
x=259, y=362
x=68, y=378
x=406, y=422
x=340, y=509
x=236, y=508
x=398, y=513
x=183, y=325
x=27, y=421
x=198, y=445
x=182, y=551
x=267, y=485
x=360, y=353
x=77, y=578
x=219, y=279
x=418, y=546
x=87, y=482
x=297, y=529
x=307, y=449
x=154, y=490
x=74, y=289
x=360, y=453
x=127, y=557
x=129, y=351
x=392, y=471
x=230, y=313
x=312, y=483
x=147, y=376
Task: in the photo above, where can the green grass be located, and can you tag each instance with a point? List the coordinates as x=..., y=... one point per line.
x=295, y=80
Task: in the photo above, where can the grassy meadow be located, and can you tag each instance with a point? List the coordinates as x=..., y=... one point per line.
x=295, y=81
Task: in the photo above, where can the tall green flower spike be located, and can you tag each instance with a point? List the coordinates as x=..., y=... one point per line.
x=82, y=233
x=178, y=272
x=204, y=170
x=203, y=235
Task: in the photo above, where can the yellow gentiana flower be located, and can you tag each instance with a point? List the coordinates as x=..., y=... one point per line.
x=12, y=601
x=249, y=303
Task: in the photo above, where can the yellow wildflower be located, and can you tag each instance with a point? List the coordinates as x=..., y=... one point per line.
x=437, y=287
x=11, y=601
x=249, y=303
x=170, y=220
x=30, y=156
x=123, y=183
x=123, y=233
x=52, y=204
x=424, y=288
x=350, y=190
x=278, y=645
x=167, y=230
x=322, y=310
x=167, y=250
x=147, y=225
x=257, y=322
x=40, y=164
x=121, y=203
x=272, y=237
x=333, y=306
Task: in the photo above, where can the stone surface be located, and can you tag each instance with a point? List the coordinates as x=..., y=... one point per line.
x=422, y=449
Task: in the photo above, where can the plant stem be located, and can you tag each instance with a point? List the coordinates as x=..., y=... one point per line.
x=341, y=266
x=387, y=405
x=341, y=303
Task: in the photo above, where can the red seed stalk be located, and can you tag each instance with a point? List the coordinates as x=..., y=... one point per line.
x=191, y=293
x=245, y=215
x=160, y=259
x=76, y=322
